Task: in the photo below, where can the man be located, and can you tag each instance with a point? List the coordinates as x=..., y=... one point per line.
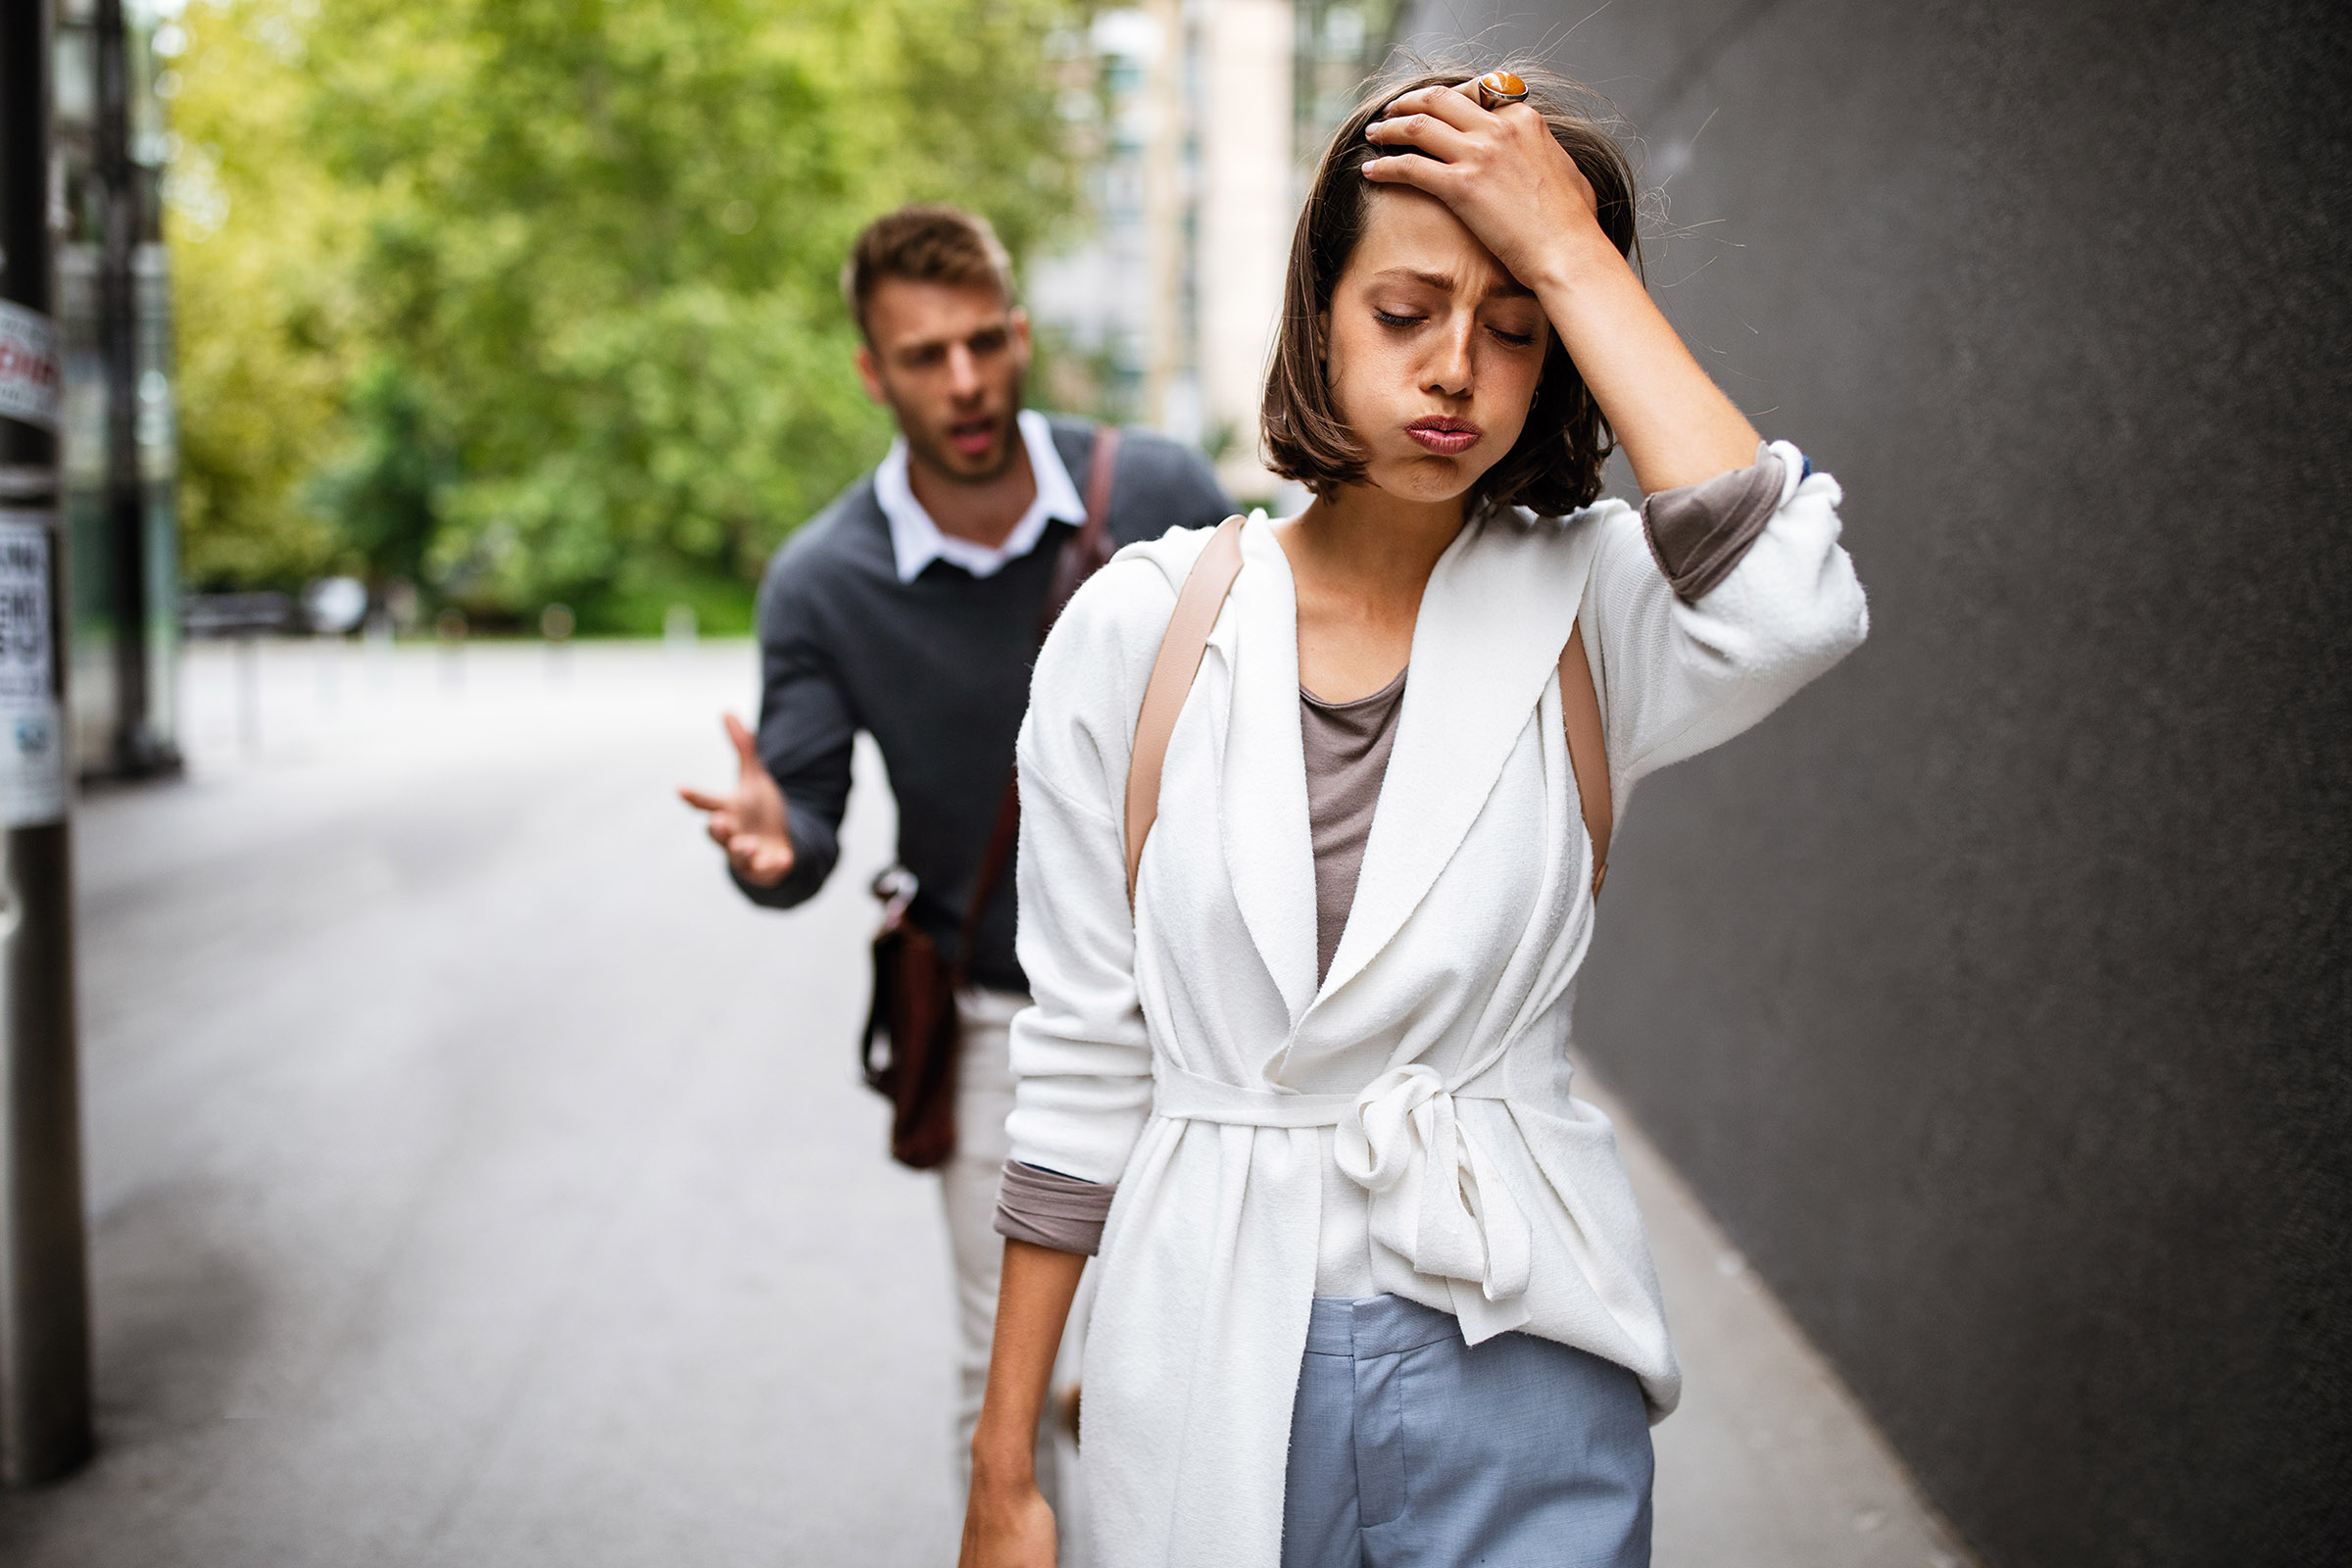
x=910, y=608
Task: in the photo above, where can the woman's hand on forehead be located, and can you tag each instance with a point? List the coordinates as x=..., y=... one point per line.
x=1499, y=171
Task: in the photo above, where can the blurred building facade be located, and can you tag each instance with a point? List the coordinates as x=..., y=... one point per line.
x=1210, y=113
x=118, y=432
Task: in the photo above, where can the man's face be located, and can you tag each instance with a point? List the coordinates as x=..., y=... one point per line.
x=947, y=359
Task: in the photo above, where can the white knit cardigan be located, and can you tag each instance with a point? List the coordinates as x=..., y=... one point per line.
x=1409, y=1120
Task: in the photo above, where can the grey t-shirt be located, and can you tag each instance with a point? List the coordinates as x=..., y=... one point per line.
x=1346, y=745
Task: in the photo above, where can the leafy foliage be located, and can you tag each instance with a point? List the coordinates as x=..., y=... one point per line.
x=267, y=346
x=584, y=340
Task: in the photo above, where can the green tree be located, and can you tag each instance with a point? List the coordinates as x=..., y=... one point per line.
x=594, y=348
x=385, y=493
x=260, y=233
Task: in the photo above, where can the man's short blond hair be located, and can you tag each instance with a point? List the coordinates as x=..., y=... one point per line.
x=925, y=244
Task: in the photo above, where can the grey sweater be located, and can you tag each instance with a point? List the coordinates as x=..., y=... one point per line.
x=937, y=670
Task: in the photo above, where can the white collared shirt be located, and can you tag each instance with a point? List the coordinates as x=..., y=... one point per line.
x=915, y=540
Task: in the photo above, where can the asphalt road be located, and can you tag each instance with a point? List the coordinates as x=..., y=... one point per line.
x=474, y=1179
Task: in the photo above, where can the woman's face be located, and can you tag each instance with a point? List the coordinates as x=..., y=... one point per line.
x=1434, y=349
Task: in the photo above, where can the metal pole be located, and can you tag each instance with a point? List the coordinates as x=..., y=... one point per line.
x=118, y=186
x=44, y=1277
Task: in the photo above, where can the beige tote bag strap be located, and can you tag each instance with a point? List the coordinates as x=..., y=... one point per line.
x=1588, y=747
x=1181, y=650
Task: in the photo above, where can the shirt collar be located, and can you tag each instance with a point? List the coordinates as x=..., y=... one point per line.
x=915, y=540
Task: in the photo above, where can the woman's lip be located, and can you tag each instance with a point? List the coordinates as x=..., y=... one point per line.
x=1447, y=439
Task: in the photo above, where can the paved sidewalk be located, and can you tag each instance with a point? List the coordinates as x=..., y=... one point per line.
x=1768, y=1463
x=475, y=1180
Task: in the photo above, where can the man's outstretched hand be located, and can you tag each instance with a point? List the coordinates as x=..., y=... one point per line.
x=749, y=825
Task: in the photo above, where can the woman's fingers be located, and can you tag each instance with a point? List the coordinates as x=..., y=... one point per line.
x=1412, y=169
x=1452, y=105
x=1501, y=172
x=1433, y=135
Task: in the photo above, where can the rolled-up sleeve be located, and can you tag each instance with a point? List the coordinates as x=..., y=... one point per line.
x=1050, y=1210
x=1699, y=532
x=1703, y=634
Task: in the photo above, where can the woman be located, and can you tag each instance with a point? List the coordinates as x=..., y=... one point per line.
x=1373, y=1288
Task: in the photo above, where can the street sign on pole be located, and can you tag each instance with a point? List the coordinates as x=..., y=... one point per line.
x=44, y=1270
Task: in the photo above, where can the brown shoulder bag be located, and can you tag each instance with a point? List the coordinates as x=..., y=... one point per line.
x=907, y=1052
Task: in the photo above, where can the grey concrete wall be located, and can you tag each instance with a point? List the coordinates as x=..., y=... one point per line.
x=1996, y=993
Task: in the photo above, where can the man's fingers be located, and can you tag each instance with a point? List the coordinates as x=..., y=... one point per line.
x=761, y=859
x=746, y=750
x=700, y=802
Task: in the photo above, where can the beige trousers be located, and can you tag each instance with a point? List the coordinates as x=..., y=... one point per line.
x=968, y=1187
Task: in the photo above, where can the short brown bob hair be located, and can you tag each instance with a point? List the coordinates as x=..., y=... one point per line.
x=1554, y=467
x=925, y=244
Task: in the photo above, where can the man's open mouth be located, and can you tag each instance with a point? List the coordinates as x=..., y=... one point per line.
x=974, y=438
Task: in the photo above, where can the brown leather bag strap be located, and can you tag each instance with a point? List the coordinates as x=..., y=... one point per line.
x=1181, y=649
x=1588, y=747
x=992, y=867
x=1102, y=472
x=1081, y=556
x=1083, y=552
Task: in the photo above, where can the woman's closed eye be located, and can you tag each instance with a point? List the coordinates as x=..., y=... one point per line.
x=1401, y=320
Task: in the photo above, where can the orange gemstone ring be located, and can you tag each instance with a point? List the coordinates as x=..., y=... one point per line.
x=1499, y=87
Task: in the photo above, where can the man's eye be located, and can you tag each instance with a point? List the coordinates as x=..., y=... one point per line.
x=987, y=343
x=1392, y=318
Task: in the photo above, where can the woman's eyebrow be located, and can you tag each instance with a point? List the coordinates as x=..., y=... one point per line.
x=1506, y=288
x=1436, y=281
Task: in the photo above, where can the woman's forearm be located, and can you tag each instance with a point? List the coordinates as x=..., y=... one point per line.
x=1675, y=423
x=1033, y=1301
x=1006, y=1523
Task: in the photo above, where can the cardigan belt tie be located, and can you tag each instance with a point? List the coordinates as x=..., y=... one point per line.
x=1437, y=1198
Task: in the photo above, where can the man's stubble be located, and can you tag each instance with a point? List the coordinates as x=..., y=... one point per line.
x=929, y=446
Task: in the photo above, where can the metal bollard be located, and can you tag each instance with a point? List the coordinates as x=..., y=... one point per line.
x=557, y=624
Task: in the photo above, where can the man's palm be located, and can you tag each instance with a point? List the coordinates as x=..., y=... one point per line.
x=750, y=823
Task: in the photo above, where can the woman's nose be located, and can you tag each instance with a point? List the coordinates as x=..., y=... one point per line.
x=1448, y=373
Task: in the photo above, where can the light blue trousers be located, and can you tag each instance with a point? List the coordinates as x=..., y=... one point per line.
x=1411, y=1449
